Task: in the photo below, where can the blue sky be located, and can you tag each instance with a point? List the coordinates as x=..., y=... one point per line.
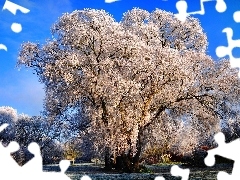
x=21, y=89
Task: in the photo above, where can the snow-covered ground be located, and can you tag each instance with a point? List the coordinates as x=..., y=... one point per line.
x=96, y=173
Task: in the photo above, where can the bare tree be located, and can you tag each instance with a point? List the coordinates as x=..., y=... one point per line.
x=126, y=75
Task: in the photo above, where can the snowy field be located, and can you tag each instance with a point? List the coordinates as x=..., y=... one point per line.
x=96, y=173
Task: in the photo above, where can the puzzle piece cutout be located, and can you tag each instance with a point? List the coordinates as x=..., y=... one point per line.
x=182, y=6
x=177, y=171
x=9, y=162
x=227, y=150
x=2, y=46
x=236, y=16
x=12, y=7
x=3, y=126
x=32, y=169
x=35, y=164
x=85, y=177
x=16, y=27
x=159, y=178
x=222, y=51
x=64, y=164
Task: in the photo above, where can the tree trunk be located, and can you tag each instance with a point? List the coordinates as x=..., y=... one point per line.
x=108, y=164
x=136, y=158
x=125, y=162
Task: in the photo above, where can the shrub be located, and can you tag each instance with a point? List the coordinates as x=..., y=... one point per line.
x=144, y=169
x=154, y=155
x=166, y=158
x=197, y=157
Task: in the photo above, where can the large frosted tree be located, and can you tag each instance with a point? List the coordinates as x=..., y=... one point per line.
x=122, y=77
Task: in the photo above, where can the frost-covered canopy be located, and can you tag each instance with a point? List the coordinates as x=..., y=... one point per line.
x=127, y=75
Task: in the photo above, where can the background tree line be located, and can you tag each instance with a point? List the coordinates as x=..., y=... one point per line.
x=25, y=129
x=169, y=141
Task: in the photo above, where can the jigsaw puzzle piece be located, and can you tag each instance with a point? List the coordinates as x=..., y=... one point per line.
x=35, y=164
x=236, y=16
x=32, y=169
x=5, y=154
x=54, y=175
x=181, y=6
x=156, y=178
x=2, y=46
x=85, y=177
x=210, y=159
x=12, y=7
x=64, y=164
x=223, y=176
x=227, y=150
x=7, y=163
x=177, y=171
x=29, y=175
x=3, y=126
x=221, y=6
x=222, y=51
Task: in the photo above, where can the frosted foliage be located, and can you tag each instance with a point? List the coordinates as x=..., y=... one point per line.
x=126, y=74
x=8, y=114
x=168, y=134
x=163, y=29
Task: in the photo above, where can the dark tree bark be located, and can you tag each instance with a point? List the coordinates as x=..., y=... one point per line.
x=108, y=164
